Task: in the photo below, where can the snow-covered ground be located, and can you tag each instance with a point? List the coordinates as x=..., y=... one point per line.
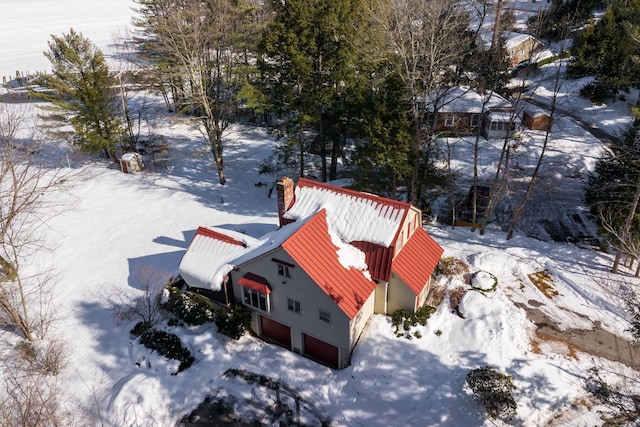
x=115, y=228
x=27, y=26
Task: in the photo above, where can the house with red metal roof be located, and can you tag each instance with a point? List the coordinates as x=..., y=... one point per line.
x=338, y=257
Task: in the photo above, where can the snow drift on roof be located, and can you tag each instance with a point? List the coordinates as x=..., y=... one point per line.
x=512, y=39
x=462, y=99
x=348, y=287
x=210, y=257
x=351, y=216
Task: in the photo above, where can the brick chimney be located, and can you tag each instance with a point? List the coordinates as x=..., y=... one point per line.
x=286, y=197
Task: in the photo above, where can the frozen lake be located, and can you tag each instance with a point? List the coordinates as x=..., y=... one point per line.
x=27, y=26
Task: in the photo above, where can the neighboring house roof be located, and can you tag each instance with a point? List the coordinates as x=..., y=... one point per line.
x=512, y=39
x=535, y=112
x=313, y=248
x=462, y=99
x=501, y=116
x=209, y=257
x=417, y=260
x=352, y=215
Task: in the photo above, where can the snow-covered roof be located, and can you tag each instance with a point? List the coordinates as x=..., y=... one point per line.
x=463, y=99
x=211, y=256
x=501, y=116
x=351, y=216
x=336, y=267
x=512, y=39
x=214, y=252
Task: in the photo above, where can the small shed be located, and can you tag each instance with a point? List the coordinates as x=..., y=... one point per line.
x=536, y=119
x=131, y=163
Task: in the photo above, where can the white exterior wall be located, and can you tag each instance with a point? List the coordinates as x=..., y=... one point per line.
x=359, y=322
x=300, y=288
x=400, y=296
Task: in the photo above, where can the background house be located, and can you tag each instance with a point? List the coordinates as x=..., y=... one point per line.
x=338, y=257
x=520, y=47
x=463, y=111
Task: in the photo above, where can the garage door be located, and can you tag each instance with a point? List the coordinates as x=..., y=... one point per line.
x=276, y=331
x=320, y=350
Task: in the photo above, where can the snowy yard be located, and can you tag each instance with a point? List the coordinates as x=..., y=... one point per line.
x=115, y=228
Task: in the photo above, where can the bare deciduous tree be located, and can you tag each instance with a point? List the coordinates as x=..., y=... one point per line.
x=202, y=53
x=145, y=307
x=26, y=178
x=428, y=38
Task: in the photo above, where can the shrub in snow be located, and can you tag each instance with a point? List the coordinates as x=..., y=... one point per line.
x=484, y=281
x=450, y=267
x=401, y=318
x=492, y=390
x=191, y=308
x=234, y=322
x=455, y=296
x=168, y=345
x=633, y=310
x=436, y=295
x=618, y=395
x=48, y=357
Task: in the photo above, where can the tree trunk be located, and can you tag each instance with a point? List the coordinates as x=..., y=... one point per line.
x=627, y=224
x=335, y=151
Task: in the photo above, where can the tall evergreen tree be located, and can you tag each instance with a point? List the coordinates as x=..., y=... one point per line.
x=607, y=50
x=429, y=40
x=310, y=61
x=81, y=90
x=386, y=131
x=613, y=192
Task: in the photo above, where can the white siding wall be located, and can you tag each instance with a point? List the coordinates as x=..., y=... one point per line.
x=312, y=299
x=400, y=296
x=359, y=322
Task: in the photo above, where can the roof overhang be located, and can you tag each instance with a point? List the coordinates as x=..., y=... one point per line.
x=255, y=282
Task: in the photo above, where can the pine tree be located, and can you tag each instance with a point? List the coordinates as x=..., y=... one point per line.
x=387, y=134
x=613, y=193
x=82, y=94
x=310, y=62
x=608, y=51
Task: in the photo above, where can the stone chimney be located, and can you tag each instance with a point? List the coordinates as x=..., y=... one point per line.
x=286, y=197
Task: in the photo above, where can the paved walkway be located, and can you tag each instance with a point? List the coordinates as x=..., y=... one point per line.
x=597, y=341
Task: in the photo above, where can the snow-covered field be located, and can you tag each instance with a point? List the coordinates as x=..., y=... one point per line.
x=117, y=227
x=27, y=26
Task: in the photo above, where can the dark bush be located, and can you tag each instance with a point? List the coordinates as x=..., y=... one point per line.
x=597, y=92
x=401, y=318
x=191, y=308
x=140, y=328
x=492, y=390
x=167, y=345
x=234, y=322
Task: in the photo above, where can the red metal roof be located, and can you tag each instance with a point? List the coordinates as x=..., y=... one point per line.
x=203, y=231
x=255, y=282
x=312, y=249
x=417, y=260
x=378, y=259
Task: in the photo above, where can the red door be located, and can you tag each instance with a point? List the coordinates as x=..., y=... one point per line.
x=276, y=331
x=320, y=350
